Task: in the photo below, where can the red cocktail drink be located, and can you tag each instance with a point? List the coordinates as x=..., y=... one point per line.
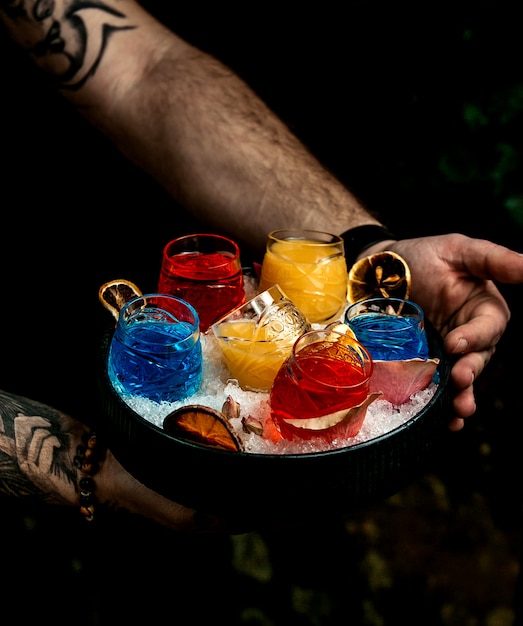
x=204, y=270
x=323, y=388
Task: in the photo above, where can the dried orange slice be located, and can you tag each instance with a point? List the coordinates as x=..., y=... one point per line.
x=203, y=425
x=382, y=275
x=115, y=293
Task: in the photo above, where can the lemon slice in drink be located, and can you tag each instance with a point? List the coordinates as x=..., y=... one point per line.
x=115, y=293
x=382, y=275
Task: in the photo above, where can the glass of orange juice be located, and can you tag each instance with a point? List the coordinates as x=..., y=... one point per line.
x=310, y=267
x=257, y=337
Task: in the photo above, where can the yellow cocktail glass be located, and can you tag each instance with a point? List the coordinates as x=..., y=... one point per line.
x=310, y=268
x=257, y=337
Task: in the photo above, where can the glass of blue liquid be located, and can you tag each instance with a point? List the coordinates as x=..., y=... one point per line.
x=392, y=329
x=155, y=350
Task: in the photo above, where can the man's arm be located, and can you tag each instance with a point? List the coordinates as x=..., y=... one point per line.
x=187, y=120
x=41, y=450
x=194, y=126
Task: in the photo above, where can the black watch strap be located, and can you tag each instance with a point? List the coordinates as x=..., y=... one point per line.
x=358, y=239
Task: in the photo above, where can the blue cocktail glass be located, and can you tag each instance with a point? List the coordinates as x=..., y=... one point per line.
x=156, y=351
x=392, y=329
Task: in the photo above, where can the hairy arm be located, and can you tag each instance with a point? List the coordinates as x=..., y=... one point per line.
x=202, y=133
x=185, y=118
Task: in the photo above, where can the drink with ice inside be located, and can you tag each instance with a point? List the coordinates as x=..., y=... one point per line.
x=258, y=336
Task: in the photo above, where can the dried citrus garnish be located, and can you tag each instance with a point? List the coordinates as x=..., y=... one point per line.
x=203, y=425
x=382, y=275
x=115, y=293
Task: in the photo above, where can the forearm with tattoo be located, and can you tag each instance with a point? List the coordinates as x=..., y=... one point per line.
x=65, y=39
x=37, y=451
x=183, y=117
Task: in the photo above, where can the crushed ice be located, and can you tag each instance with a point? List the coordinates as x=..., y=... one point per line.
x=382, y=417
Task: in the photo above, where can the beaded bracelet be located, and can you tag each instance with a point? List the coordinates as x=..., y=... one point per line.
x=358, y=239
x=87, y=460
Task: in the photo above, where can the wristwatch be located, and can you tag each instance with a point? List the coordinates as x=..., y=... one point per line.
x=358, y=239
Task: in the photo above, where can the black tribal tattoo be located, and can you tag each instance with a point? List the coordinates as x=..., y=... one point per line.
x=66, y=38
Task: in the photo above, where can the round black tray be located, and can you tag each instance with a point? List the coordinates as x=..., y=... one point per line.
x=260, y=490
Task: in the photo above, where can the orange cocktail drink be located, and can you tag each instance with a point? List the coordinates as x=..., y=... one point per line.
x=258, y=336
x=310, y=267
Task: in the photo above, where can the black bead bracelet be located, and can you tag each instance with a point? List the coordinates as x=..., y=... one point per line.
x=87, y=460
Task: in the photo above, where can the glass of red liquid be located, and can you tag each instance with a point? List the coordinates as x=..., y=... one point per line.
x=323, y=388
x=205, y=270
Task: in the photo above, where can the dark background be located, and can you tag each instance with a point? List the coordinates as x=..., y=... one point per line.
x=419, y=111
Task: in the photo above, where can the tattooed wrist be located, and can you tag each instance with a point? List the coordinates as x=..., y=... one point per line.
x=37, y=445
